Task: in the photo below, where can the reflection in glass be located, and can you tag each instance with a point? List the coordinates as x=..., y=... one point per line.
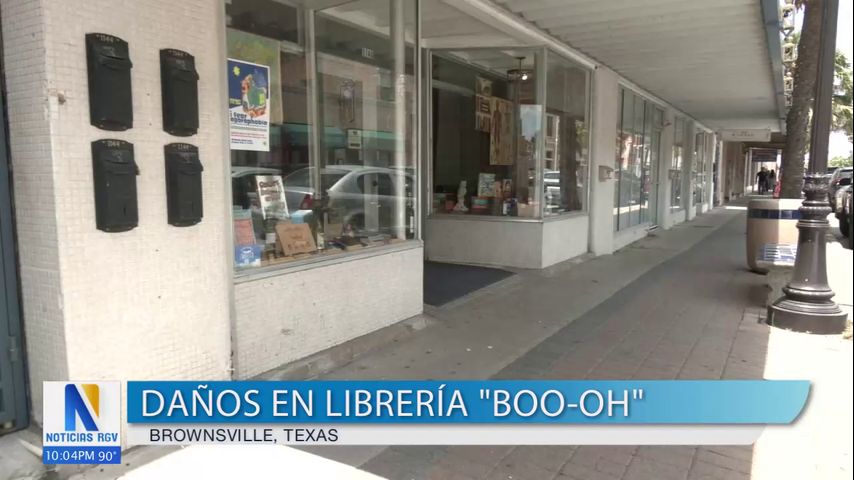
x=637, y=156
x=676, y=163
x=566, y=137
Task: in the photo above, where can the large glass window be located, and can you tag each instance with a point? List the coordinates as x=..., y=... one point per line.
x=676, y=163
x=322, y=128
x=487, y=121
x=566, y=137
x=638, y=139
x=698, y=167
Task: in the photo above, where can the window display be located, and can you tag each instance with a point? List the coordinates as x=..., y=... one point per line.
x=487, y=119
x=566, y=137
x=322, y=129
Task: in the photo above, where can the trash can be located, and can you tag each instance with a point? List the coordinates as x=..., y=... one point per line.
x=772, y=233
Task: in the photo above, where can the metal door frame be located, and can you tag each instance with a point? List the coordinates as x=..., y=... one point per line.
x=13, y=384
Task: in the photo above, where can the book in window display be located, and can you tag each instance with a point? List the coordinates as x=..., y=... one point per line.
x=271, y=196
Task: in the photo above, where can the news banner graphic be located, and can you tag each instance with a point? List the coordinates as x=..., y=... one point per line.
x=460, y=412
x=81, y=423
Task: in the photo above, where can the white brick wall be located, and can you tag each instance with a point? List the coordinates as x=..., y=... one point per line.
x=149, y=303
x=284, y=318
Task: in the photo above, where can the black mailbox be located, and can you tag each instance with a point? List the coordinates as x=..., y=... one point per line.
x=115, y=185
x=110, y=104
x=180, y=95
x=183, y=184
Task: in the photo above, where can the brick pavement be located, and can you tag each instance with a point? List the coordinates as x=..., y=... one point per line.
x=683, y=319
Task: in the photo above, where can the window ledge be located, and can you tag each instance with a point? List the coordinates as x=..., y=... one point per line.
x=565, y=216
x=260, y=273
x=482, y=218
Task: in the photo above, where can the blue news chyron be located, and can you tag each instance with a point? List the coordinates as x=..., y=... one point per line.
x=467, y=402
x=82, y=423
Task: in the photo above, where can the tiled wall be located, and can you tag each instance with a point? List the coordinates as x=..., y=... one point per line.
x=286, y=317
x=149, y=303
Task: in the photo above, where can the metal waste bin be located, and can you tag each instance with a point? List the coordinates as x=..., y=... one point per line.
x=772, y=233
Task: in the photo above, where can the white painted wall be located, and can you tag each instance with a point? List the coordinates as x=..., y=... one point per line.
x=485, y=242
x=508, y=243
x=564, y=238
x=149, y=303
x=606, y=105
x=295, y=314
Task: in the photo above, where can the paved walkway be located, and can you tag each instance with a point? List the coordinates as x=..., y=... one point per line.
x=688, y=315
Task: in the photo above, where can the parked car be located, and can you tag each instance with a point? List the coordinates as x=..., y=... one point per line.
x=840, y=178
x=844, y=212
x=363, y=195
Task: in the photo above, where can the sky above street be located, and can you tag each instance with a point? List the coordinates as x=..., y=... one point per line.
x=839, y=145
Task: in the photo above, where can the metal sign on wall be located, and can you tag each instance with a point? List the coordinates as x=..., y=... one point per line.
x=763, y=154
x=746, y=135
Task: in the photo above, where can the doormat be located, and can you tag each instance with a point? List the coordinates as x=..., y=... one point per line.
x=446, y=282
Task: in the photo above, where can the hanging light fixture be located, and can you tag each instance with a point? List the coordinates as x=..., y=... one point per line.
x=518, y=73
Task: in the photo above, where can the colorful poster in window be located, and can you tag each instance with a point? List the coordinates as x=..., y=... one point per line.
x=260, y=51
x=271, y=193
x=248, y=106
x=501, y=137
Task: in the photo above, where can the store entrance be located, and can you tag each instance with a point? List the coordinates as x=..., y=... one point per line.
x=13, y=395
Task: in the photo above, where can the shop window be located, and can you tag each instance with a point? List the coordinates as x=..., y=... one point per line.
x=322, y=160
x=487, y=122
x=676, y=163
x=566, y=137
x=698, y=167
x=638, y=140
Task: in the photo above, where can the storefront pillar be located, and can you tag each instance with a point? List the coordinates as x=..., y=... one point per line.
x=606, y=110
x=398, y=41
x=664, y=181
x=150, y=302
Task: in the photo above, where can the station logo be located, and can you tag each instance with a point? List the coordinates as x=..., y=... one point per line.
x=82, y=423
x=76, y=408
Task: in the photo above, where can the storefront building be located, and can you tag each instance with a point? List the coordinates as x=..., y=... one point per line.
x=341, y=144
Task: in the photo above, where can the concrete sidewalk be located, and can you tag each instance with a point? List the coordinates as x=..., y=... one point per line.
x=679, y=304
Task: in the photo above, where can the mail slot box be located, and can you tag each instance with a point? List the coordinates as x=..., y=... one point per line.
x=179, y=92
x=115, y=174
x=109, y=65
x=183, y=184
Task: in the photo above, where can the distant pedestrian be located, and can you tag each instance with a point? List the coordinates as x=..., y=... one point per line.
x=772, y=180
x=762, y=180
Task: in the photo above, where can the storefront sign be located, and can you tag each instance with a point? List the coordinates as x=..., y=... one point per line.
x=746, y=135
x=763, y=154
x=354, y=139
x=248, y=106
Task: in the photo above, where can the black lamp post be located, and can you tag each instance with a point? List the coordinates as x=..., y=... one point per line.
x=807, y=304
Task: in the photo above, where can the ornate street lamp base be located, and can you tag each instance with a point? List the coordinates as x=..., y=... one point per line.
x=821, y=318
x=806, y=304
